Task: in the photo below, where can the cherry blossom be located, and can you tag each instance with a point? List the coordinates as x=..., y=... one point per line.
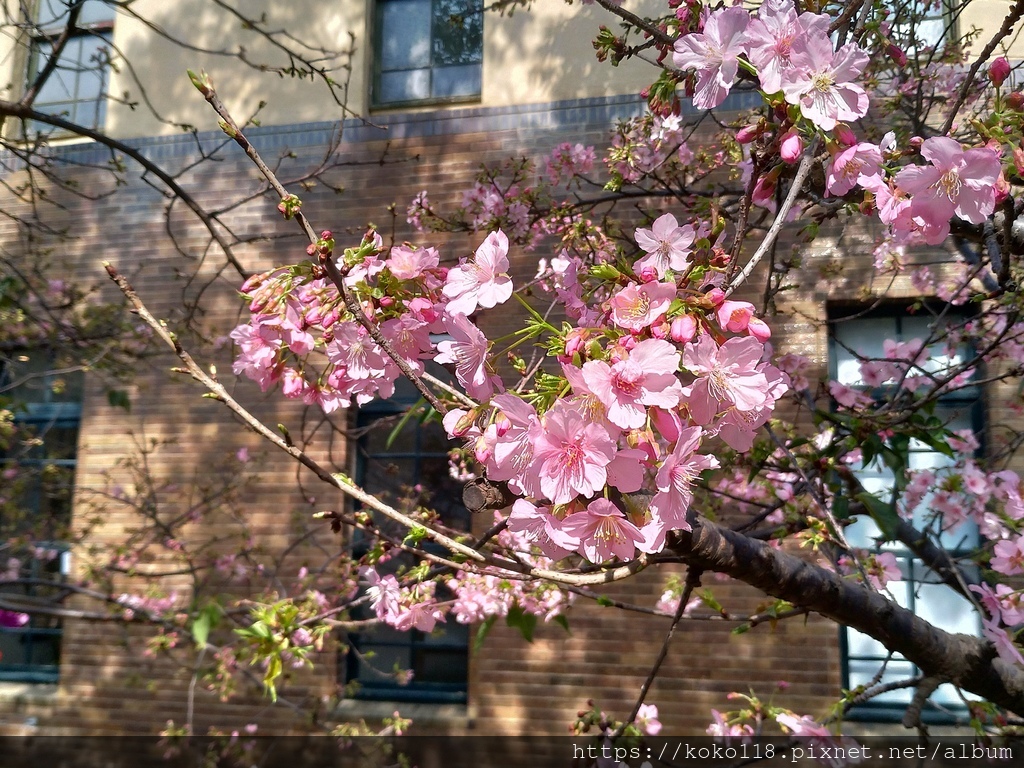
x=603, y=532
x=822, y=83
x=714, y=55
x=667, y=246
x=573, y=453
x=645, y=377
x=483, y=282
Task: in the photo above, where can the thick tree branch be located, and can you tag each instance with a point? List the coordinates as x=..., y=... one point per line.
x=968, y=662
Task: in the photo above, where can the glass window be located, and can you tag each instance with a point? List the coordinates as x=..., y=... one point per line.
x=76, y=90
x=428, y=50
x=918, y=24
x=38, y=466
x=405, y=462
x=866, y=660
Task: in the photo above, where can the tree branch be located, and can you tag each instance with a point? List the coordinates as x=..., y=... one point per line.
x=968, y=662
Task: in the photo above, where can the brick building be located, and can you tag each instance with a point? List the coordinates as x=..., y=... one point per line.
x=518, y=85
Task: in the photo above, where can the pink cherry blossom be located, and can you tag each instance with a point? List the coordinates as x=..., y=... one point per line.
x=852, y=166
x=822, y=83
x=714, y=55
x=646, y=377
x=676, y=477
x=637, y=307
x=408, y=262
x=572, y=452
x=1007, y=649
x=726, y=375
x=467, y=351
x=543, y=528
x=1009, y=557
x=384, y=594
x=603, y=532
x=483, y=282
x=667, y=246
x=514, y=433
x=769, y=39
x=956, y=182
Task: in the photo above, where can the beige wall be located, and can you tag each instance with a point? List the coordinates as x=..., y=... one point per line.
x=540, y=56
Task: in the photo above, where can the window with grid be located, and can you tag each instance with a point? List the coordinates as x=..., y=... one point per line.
x=405, y=462
x=865, y=660
x=428, y=51
x=39, y=468
x=77, y=88
x=919, y=23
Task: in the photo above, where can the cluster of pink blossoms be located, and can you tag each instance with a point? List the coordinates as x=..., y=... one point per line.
x=792, y=53
x=407, y=295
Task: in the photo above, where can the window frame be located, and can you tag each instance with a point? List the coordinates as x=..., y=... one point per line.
x=972, y=402
x=455, y=637
x=47, y=34
x=46, y=413
x=376, y=101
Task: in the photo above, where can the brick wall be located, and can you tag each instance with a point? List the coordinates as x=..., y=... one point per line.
x=107, y=682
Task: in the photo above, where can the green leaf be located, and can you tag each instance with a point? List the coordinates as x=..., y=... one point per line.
x=883, y=514
x=605, y=602
x=201, y=629
x=118, y=398
x=563, y=622
x=482, y=632
x=525, y=622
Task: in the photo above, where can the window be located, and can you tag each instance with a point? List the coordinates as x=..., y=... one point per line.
x=428, y=50
x=919, y=23
x=77, y=89
x=408, y=468
x=39, y=467
x=920, y=589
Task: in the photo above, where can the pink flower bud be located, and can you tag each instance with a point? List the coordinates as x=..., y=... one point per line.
x=1015, y=100
x=791, y=146
x=896, y=54
x=844, y=135
x=683, y=329
x=716, y=296
x=759, y=329
x=1018, y=160
x=660, y=330
x=1002, y=188
x=998, y=71
x=748, y=133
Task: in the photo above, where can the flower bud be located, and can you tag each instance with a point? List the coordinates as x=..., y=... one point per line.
x=1015, y=100
x=844, y=135
x=683, y=329
x=998, y=71
x=791, y=146
x=896, y=54
x=748, y=133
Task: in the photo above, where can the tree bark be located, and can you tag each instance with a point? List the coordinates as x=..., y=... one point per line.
x=968, y=662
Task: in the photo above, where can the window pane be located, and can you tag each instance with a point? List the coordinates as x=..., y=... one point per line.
x=54, y=13
x=457, y=81
x=405, y=34
x=458, y=32
x=429, y=49
x=412, y=85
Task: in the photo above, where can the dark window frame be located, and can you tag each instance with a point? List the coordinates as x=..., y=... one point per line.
x=450, y=638
x=47, y=33
x=377, y=100
x=970, y=399
x=41, y=638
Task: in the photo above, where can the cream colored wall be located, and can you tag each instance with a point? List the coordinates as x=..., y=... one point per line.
x=547, y=54
x=162, y=64
x=987, y=16
x=542, y=55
